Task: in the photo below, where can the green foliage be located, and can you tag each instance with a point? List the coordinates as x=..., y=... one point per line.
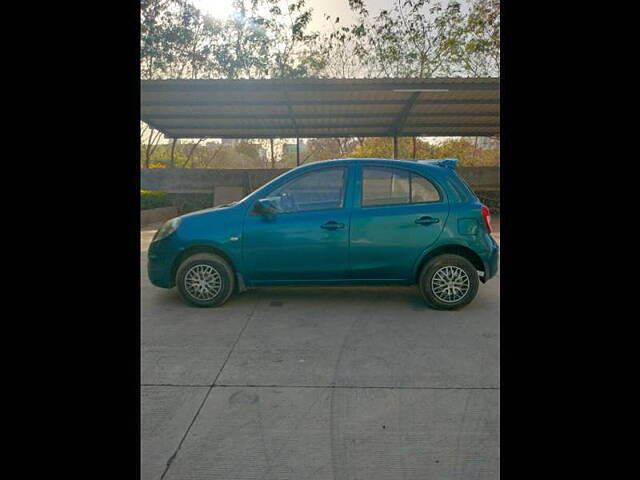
x=480, y=54
x=418, y=39
x=258, y=41
x=380, y=147
x=462, y=149
x=409, y=148
x=467, y=152
x=247, y=154
x=206, y=154
x=153, y=199
x=413, y=38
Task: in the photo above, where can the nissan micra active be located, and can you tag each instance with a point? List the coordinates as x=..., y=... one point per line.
x=335, y=222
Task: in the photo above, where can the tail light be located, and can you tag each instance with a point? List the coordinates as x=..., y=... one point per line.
x=486, y=215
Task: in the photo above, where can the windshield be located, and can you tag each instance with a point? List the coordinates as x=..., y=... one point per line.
x=265, y=186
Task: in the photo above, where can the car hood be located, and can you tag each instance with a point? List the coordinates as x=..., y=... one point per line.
x=210, y=211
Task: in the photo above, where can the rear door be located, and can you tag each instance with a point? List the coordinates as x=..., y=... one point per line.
x=308, y=238
x=397, y=214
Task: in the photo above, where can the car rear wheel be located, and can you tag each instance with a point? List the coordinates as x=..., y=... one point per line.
x=205, y=280
x=449, y=282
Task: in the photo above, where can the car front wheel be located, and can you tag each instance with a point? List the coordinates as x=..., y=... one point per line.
x=205, y=280
x=449, y=282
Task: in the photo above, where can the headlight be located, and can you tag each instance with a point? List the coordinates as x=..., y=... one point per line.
x=167, y=229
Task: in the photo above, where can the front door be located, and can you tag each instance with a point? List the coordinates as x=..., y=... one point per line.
x=307, y=239
x=397, y=216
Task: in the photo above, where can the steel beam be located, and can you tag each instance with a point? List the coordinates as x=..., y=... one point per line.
x=340, y=116
x=292, y=116
x=348, y=134
x=222, y=86
x=331, y=126
x=404, y=113
x=278, y=103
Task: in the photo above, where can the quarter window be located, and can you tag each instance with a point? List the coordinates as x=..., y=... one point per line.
x=317, y=190
x=394, y=186
x=422, y=190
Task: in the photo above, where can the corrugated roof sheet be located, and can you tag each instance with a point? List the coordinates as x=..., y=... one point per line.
x=311, y=108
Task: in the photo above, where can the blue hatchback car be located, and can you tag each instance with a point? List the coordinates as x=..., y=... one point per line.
x=335, y=222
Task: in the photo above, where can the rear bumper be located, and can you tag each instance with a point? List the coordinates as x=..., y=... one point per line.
x=491, y=263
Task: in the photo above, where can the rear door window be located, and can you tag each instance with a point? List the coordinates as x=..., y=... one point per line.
x=384, y=186
x=395, y=186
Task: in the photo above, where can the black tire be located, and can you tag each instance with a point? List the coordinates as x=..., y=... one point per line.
x=436, y=264
x=219, y=265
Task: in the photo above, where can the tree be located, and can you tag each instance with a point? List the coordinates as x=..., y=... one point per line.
x=149, y=139
x=192, y=149
x=415, y=38
x=480, y=55
x=460, y=148
x=467, y=152
x=338, y=52
x=382, y=147
x=288, y=36
x=239, y=45
x=152, y=14
x=330, y=148
x=159, y=21
x=259, y=41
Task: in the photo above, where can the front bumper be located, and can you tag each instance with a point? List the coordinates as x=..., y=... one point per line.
x=160, y=262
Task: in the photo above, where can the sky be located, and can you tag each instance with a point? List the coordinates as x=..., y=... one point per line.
x=222, y=8
x=335, y=8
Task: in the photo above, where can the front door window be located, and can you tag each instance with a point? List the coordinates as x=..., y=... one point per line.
x=318, y=190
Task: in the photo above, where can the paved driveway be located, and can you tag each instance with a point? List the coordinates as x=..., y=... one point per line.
x=319, y=383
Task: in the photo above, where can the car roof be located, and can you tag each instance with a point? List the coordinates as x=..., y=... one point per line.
x=388, y=162
x=432, y=169
x=360, y=160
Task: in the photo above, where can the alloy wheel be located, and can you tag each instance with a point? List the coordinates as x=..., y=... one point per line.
x=450, y=284
x=203, y=282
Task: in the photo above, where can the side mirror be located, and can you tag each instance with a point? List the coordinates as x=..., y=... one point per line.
x=265, y=206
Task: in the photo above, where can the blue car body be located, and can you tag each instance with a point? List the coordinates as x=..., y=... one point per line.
x=352, y=244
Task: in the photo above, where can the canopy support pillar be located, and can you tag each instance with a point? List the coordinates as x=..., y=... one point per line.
x=173, y=150
x=273, y=158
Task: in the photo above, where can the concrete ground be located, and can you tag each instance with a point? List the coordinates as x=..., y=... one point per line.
x=319, y=383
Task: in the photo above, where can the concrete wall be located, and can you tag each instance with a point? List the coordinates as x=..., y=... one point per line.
x=194, y=189
x=205, y=180
x=481, y=178
x=155, y=215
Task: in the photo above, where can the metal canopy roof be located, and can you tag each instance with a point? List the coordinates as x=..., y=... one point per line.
x=313, y=108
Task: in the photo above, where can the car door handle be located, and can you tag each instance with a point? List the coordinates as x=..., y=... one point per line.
x=332, y=225
x=427, y=220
